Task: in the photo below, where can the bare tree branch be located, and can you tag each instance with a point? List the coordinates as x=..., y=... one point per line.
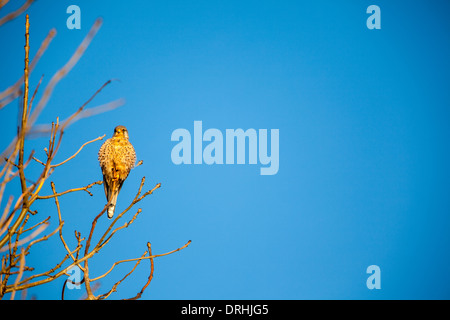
x=20, y=274
x=16, y=13
x=14, y=91
x=72, y=190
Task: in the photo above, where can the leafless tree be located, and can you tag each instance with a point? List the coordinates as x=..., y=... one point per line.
x=17, y=236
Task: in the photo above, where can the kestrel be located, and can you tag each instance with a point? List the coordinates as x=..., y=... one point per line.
x=117, y=157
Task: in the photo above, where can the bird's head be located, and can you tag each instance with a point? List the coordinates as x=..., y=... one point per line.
x=120, y=131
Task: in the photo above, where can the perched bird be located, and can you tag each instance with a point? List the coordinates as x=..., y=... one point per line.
x=117, y=157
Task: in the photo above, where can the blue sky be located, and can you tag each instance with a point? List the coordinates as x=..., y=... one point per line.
x=363, y=122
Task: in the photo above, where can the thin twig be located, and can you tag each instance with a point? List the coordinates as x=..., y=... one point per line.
x=61, y=222
x=142, y=258
x=100, y=245
x=72, y=190
x=16, y=13
x=24, y=107
x=38, y=224
x=113, y=289
x=75, y=154
x=19, y=275
x=30, y=237
x=150, y=277
x=79, y=114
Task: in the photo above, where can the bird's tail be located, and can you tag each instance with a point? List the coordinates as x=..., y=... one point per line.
x=112, y=203
x=113, y=192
